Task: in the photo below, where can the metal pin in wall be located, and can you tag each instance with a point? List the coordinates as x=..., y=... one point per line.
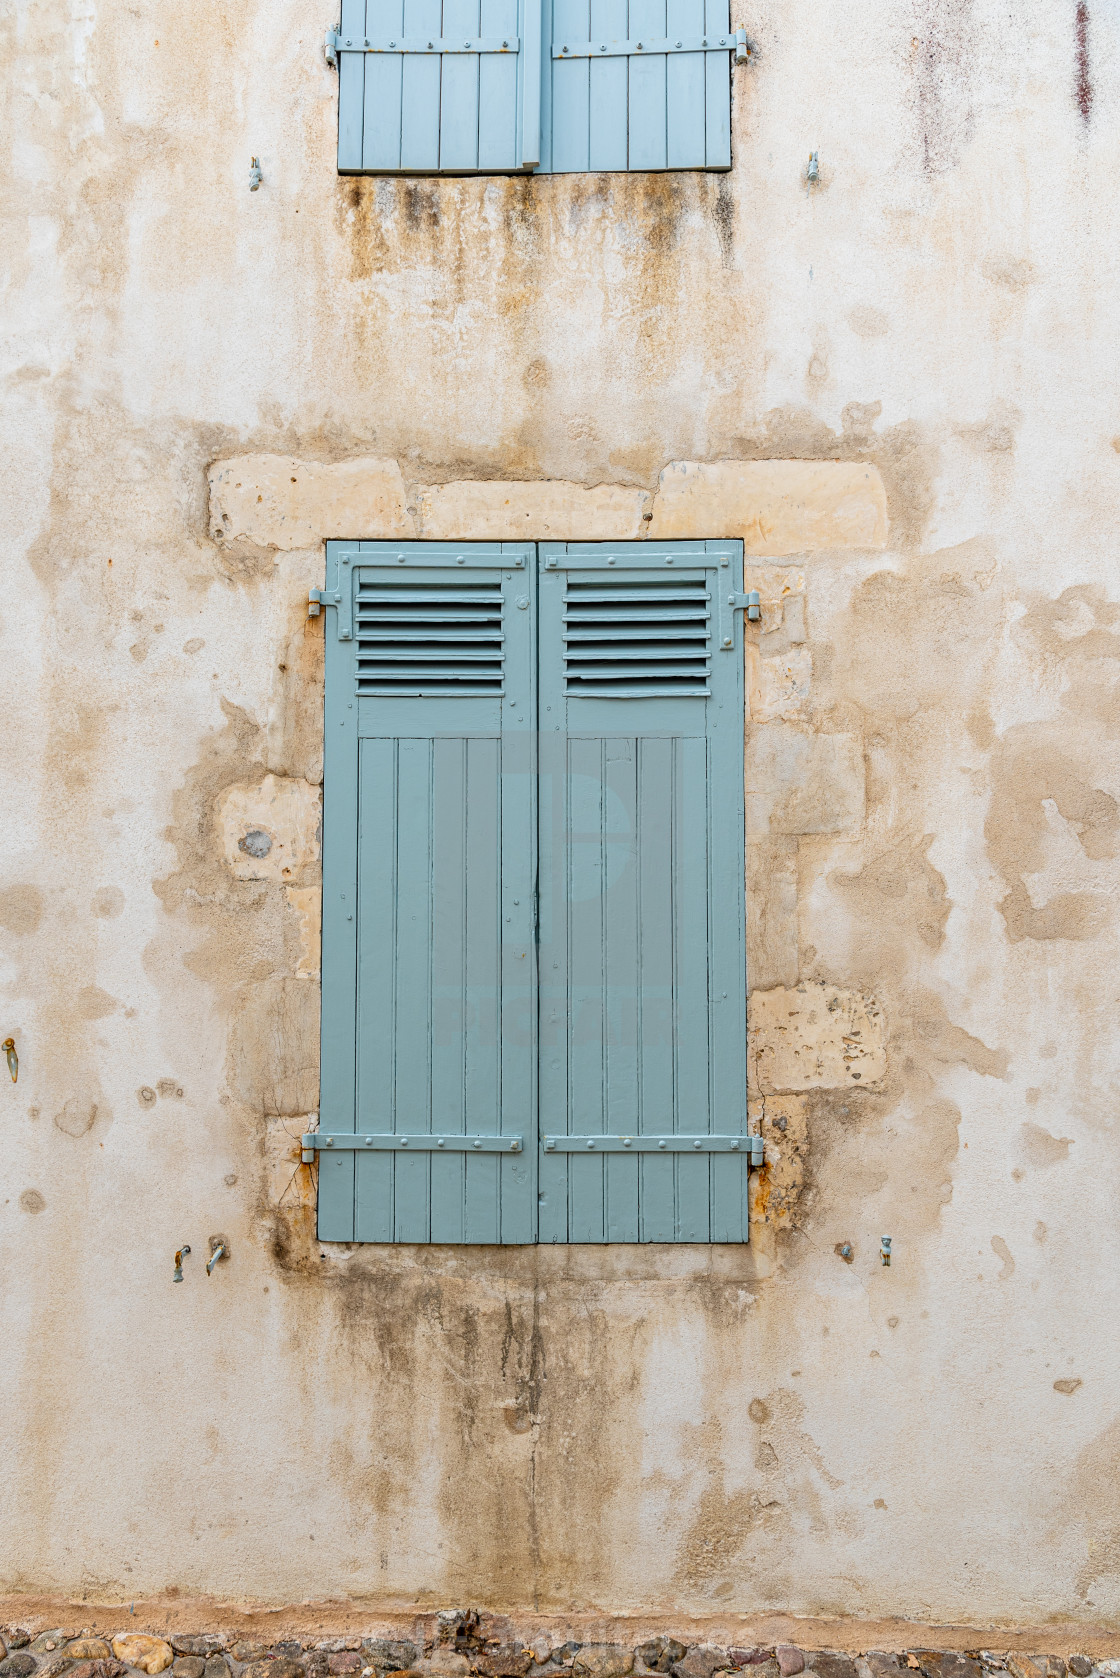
x=11, y=1057
x=179, y=1257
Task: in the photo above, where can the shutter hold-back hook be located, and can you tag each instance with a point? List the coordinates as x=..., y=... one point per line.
x=219, y=1249
x=11, y=1057
x=179, y=1257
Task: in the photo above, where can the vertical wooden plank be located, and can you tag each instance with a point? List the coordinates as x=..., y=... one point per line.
x=607, y=91
x=587, y=979
x=656, y=1020
x=351, y=86
x=728, y=928
x=376, y=911
x=497, y=88
x=685, y=75
x=534, y=47
x=458, y=105
x=553, y=953
x=571, y=21
x=622, y=935
x=717, y=99
x=692, y=944
x=338, y=1073
x=381, y=141
x=450, y=796
x=484, y=981
x=420, y=89
x=413, y=985
x=647, y=87
x=517, y=1173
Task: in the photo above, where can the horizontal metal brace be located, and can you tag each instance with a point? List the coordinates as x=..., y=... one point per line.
x=751, y=1147
x=420, y=44
x=390, y=1142
x=731, y=41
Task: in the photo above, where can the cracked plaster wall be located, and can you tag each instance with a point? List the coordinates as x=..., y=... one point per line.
x=899, y=388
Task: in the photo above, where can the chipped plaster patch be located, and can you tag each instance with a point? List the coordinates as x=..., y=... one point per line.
x=279, y=502
x=307, y=901
x=548, y=511
x=815, y=1037
x=776, y=506
x=278, y=817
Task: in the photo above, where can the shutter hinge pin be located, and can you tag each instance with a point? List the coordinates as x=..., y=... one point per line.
x=744, y=49
x=317, y=598
x=331, y=42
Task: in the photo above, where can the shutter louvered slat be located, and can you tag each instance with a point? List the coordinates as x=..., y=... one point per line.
x=604, y=652
x=440, y=639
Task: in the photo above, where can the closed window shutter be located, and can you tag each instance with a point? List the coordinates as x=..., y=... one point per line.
x=614, y=101
x=438, y=86
x=534, y=987
x=429, y=1052
x=642, y=962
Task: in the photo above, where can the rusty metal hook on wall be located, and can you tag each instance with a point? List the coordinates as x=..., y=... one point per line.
x=179, y=1257
x=12, y=1057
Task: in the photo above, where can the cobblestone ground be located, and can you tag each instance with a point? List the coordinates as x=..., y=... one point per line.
x=461, y=1646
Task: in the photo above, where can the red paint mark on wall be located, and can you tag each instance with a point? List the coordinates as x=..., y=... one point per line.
x=1084, y=85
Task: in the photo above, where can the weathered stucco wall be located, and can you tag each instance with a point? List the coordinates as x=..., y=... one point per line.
x=899, y=386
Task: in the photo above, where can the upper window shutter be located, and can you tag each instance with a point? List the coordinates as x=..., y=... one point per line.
x=641, y=918
x=428, y=1082
x=639, y=84
x=439, y=86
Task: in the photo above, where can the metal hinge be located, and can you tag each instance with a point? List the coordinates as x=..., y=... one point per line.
x=729, y=604
x=732, y=41
x=424, y=1143
x=751, y=1147
x=330, y=48
x=317, y=598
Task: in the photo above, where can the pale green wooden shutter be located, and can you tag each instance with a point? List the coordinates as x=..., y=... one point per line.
x=639, y=84
x=438, y=87
x=429, y=1041
x=642, y=963
x=534, y=988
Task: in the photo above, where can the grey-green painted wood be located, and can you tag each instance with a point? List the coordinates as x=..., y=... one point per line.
x=642, y=937
x=445, y=112
x=455, y=794
x=429, y=990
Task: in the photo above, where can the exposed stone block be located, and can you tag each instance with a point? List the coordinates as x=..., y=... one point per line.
x=778, y=686
x=270, y=830
x=776, y=506
x=772, y=913
x=547, y=511
x=278, y=502
x=815, y=1037
x=803, y=783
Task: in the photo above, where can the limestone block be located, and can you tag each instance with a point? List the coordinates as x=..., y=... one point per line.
x=307, y=901
x=549, y=511
x=291, y=1184
x=772, y=913
x=270, y=830
x=803, y=783
x=781, y=592
x=279, y=502
x=776, y=506
x=815, y=1037
x=778, y=686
